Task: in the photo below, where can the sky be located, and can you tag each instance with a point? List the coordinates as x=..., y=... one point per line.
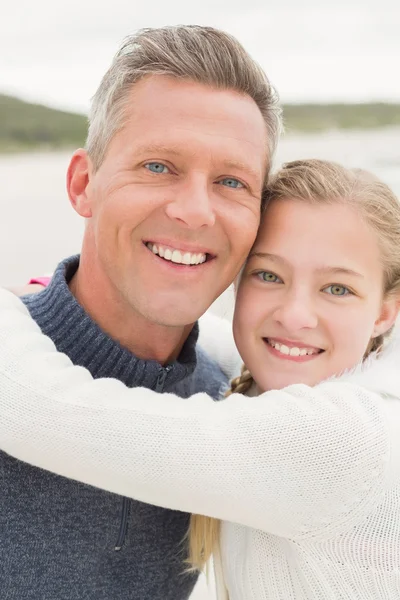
x=56, y=52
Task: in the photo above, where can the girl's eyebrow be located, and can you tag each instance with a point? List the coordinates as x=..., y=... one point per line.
x=273, y=257
x=340, y=271
x=325, y=270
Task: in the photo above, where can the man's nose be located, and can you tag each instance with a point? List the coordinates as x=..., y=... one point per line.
x=296, y=312
x=192, y=205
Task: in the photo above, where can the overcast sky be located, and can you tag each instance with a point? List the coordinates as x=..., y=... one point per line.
x=55, y=52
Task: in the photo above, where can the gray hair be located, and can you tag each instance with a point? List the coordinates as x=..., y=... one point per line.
x=200, y=54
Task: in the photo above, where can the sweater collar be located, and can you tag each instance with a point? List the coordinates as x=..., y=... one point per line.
x=74, y=332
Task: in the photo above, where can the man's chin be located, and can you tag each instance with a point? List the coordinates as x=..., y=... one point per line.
x=175, y=316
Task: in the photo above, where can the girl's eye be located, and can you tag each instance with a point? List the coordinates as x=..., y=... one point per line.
x=156, y=167
x=337, y=290
x=269, y=277
x=231, y=182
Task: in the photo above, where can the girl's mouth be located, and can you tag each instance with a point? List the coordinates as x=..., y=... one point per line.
x=292, y=351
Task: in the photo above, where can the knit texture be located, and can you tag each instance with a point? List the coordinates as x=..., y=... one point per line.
x=64, y=540
x=307, y=480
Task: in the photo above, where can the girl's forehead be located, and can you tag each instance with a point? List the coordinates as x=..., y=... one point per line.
x=318, y=235
x=304, y=218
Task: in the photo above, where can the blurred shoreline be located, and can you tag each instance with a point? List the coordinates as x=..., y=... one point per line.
x=28, y=126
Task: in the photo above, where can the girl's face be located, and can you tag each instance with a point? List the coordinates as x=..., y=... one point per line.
x=310, y=298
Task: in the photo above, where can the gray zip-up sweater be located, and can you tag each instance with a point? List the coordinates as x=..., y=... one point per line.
x=63, y=540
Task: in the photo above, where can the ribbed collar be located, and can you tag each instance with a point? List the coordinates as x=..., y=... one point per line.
x=63, y=319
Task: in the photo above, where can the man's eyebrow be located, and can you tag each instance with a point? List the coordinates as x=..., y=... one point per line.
x=238, y=165
x=323, y=270
x=159, y=148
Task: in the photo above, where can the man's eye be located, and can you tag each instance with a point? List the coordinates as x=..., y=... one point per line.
x=337, y=290
x=269, y=277
x=231, y=182
x=156, y=167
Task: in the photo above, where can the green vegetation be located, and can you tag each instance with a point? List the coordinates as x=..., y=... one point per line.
x=320, y=117
x=25, y=126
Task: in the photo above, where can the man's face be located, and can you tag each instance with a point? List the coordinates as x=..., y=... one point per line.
x=175, y=205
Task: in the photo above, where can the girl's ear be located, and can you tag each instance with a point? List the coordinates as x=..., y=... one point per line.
x=388, y=315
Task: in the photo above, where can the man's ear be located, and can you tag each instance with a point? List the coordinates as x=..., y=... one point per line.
x=78, y=182
x=388, y=315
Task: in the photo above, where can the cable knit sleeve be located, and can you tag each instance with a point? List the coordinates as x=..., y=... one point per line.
x=298, y=462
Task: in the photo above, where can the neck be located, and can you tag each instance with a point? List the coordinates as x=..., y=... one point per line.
x=143, y=338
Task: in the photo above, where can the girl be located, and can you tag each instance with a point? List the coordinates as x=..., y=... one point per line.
x=299, y=482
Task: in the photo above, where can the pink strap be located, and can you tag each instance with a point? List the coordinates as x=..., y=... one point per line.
x=44, y=281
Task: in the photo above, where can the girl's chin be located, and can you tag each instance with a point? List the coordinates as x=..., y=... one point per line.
x=278, y=383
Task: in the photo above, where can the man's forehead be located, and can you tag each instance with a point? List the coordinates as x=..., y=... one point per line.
x=165, y=102
x=175, y=118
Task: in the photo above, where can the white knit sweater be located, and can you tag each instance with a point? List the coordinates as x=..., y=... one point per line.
x=307, y=480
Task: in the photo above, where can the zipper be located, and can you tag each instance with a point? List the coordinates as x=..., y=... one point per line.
x=123, y=525
x=162, y=376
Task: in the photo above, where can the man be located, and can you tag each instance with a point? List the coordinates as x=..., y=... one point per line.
x=181, y=135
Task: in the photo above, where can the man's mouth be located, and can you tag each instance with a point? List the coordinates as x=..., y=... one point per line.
x=177, y=256
x=292, y=350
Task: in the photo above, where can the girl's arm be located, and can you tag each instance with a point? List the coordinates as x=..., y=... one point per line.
x=293, y=462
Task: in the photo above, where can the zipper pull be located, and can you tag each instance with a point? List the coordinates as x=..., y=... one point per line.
x=162, y=377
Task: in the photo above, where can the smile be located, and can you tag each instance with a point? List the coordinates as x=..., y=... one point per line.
x=294, y=351
x=177, y=256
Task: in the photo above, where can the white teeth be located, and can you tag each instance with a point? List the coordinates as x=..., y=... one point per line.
x=177, y=256
x=293, y=351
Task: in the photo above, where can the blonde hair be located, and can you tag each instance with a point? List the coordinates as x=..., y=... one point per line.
x=200, y=54
x=317, y=182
